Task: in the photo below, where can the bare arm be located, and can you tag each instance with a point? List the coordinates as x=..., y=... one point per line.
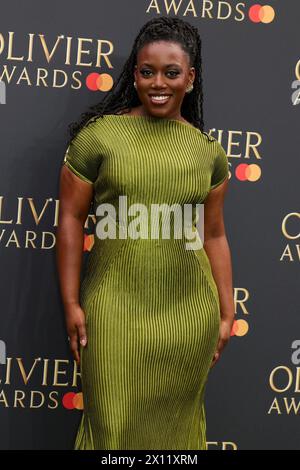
x=217, y=249
x=75, y=198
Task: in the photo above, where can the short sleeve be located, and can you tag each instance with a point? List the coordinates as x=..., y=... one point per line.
x=82, y=155
x=221, y=167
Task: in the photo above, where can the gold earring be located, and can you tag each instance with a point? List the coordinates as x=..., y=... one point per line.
x=189, y=89
x=134, y=84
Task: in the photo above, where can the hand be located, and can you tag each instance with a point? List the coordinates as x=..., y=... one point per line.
x=75, y=321
x=224, y=336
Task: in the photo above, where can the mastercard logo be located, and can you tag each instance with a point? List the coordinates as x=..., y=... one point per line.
x=88, y=242
x=248, y=172
x=239, y=328
x=99, y=81
x=73, y=401
x=261, y=14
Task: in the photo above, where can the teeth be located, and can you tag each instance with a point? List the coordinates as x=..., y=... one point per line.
x=159, y=98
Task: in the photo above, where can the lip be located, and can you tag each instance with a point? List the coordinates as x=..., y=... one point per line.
x=161, y=102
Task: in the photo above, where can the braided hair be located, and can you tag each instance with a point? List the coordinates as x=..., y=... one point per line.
x=123, y=95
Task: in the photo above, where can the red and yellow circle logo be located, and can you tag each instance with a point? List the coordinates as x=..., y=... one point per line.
x=99, y=81
x=73, y=400
x=239, y=328
x=248, y=172
x=88, y=242
x=261, y=13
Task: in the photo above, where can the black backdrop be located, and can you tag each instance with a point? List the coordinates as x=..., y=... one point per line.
x=250, y=67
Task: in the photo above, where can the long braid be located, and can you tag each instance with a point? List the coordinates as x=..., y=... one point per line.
x=123, y=95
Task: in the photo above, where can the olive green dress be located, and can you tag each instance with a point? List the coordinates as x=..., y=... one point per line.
x=152, y=306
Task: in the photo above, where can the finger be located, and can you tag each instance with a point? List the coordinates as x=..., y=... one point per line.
x=82, y=334
x=74, y=346
x=215, y=359
x=212, y=364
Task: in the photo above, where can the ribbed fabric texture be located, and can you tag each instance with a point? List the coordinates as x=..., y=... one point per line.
x=152, y=306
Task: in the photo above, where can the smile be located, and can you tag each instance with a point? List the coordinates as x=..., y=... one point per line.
x=159, y=99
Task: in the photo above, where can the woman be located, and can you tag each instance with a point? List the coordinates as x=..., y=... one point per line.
x=150, y=317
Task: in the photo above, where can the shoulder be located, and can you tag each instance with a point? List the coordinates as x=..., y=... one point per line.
x=217, y=147
x=210, y=146
x=220, y=149
x=93, y=124
x=89, y=132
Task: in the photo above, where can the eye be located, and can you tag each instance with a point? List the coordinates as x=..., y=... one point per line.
x=174, y=72
x=146, y=72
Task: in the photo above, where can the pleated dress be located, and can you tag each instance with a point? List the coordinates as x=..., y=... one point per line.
x=152, y=306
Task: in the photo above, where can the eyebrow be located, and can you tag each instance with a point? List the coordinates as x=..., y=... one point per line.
x=169, y=65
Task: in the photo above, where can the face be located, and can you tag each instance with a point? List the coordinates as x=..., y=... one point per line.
x=162, y=69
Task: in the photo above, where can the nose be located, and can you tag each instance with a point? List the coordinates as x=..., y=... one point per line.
x=158, y=81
